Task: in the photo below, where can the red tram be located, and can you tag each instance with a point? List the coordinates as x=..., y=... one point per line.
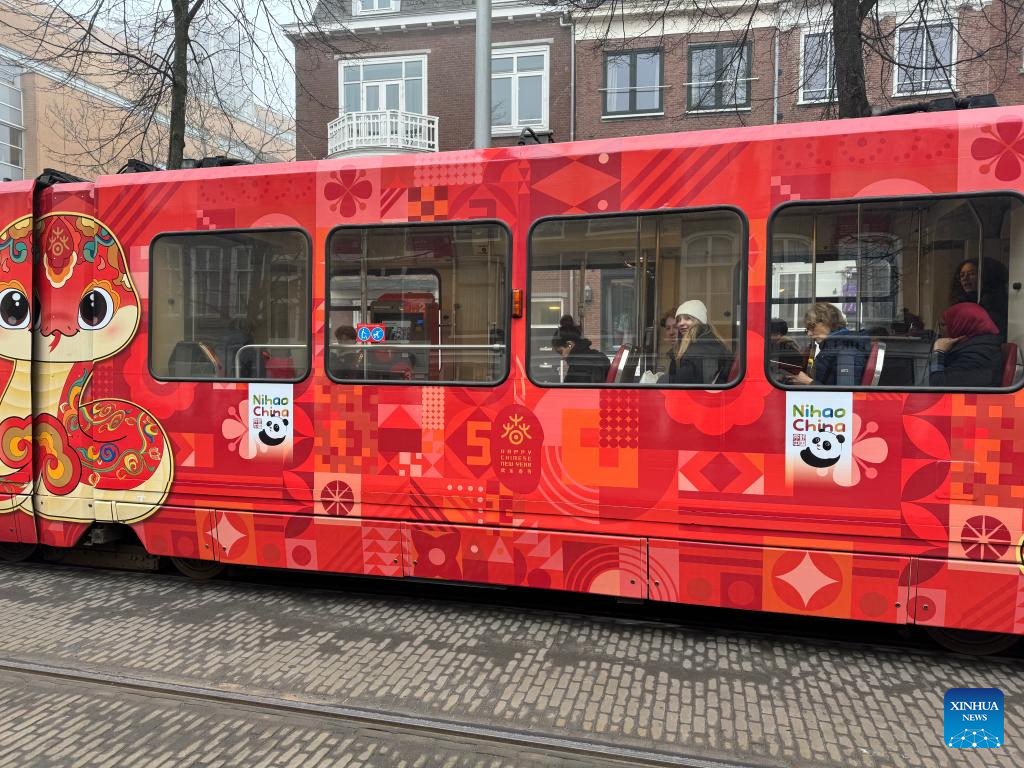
x=180, y=354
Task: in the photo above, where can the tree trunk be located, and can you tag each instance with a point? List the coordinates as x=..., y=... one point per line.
x=179, y=84
x=851, y=88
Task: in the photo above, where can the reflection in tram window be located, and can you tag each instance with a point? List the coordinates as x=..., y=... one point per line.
x=621, y=281
x=230, y=305
x=439, y=293
x=888, y=271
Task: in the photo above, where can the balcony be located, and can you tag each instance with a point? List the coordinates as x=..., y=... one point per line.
x=388, y=131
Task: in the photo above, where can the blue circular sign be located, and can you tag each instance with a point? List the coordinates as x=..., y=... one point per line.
x=378, y=334
x=363, y=333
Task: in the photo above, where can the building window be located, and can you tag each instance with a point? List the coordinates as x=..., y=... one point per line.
x=374, y=85
x=519, y=89
x=606, y=291
x=230, y=305
x=817, y=69
x=437, y=296
x=632, y=83
x=860, y=291
x=719, y=76
x=360, y=7
x=924, y=56
x=12, y=128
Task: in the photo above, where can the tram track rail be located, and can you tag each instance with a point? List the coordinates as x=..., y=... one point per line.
x=564, y=746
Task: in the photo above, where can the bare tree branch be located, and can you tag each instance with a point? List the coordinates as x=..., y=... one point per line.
x=210, y=74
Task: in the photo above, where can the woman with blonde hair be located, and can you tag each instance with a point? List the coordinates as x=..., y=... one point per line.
x=701, y=356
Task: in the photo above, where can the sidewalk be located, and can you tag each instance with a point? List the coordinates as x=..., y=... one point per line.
x=755, y=699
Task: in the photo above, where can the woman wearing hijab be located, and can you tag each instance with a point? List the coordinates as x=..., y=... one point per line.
x=701, y=357
x=971, y=356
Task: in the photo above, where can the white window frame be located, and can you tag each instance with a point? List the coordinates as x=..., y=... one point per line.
x=342, y=63
x=830, y=68
x=358, y=10
x=11, y=77
x=927, y=22
x=534, y=50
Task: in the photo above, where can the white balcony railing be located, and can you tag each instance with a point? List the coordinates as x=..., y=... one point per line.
x=387, y=130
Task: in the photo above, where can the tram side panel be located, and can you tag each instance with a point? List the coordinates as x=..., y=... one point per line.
x=223, y=353
x=17, y=523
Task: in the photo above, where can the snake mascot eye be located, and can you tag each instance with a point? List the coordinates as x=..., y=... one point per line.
x=15, y=309
x=95, y=310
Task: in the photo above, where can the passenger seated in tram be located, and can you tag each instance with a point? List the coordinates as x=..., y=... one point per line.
x=700, y=357
x=785, y=356
x=971, y=355
x=586, y=364
x=993, y=294
x=842, y=354
x=671, y=333
x=347, y=361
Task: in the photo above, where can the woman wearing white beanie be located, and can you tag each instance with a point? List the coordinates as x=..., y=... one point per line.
x=701, y=357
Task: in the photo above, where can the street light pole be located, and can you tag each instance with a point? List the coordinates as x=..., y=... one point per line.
x=482, y=103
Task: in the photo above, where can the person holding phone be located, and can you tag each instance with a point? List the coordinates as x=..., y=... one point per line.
x=826, y=325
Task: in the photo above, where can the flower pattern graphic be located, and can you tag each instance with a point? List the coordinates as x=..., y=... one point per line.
x=868, y=449
x=1002, y=148
x=348, y=190
x=235, y=428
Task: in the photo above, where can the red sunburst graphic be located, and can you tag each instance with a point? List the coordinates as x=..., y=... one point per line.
x=984, y=538
x=337, y=498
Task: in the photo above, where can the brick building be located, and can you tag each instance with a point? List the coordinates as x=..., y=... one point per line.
x=399, y=74
x=413, y=61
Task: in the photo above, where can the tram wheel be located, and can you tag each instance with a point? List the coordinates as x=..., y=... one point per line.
x=972, y=643
x=15, y=553
x=200, y=570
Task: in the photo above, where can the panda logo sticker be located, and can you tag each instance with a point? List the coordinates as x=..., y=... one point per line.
x=819, y=430
x=823, y=451
x=270, y=420
x=274, y=432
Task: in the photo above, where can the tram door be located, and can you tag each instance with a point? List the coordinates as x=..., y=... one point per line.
x=17, y=524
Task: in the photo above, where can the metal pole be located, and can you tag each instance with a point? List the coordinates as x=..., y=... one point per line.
x=482, y=133
x=775, y=84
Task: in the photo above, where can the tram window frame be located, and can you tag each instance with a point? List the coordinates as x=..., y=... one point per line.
x=407, y=225
x=743, y=266
x=859, y=201
x=234, y=379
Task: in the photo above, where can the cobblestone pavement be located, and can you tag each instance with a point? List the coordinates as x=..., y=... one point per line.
x=60, y=726
x=756, y=699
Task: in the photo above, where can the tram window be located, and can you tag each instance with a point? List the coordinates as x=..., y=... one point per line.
x=439, y=293
x=605, y=293
x=909, y=293
x=230, y=305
